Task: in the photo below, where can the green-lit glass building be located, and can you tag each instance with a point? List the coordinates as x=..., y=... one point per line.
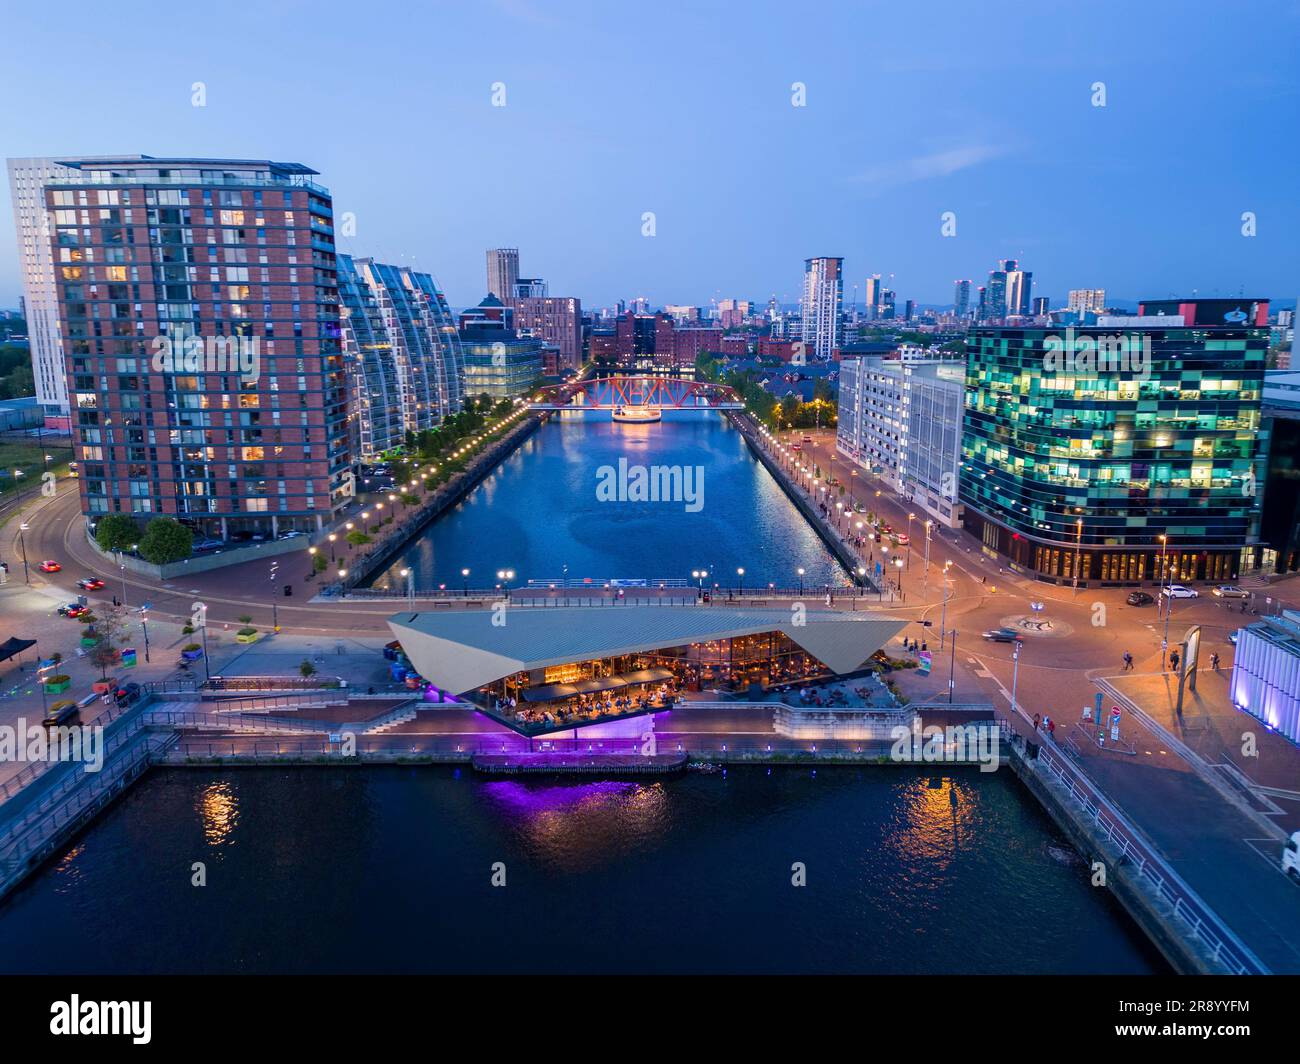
x=1082, y=447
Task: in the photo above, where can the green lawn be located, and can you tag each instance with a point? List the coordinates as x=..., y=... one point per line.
x=31, y=460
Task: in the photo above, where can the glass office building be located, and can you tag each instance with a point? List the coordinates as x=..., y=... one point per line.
x=1082, y=448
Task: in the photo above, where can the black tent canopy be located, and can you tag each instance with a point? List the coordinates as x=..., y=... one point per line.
x=13, y=645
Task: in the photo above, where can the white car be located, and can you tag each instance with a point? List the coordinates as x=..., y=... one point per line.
x=1229, y=591
x=1179, y=591
x=1291, y=856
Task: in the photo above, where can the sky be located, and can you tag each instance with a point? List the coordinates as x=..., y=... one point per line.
x=686, y=111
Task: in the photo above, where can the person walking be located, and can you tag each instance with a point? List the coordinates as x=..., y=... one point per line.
x=1173, y=660
x=1214, y=662
x=1128, y=661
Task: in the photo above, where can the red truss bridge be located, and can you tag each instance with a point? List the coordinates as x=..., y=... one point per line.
x=668, y=393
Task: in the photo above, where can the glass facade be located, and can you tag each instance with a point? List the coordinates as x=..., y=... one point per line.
x=402, y=353
x=1082, y=447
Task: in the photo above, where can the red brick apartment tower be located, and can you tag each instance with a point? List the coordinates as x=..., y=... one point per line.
x=232, y=263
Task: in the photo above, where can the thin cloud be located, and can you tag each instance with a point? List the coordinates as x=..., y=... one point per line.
x=924, y=167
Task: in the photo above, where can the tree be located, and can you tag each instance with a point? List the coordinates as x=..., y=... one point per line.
x=307, y=669
x=110, y=632
x=117, y=532
x=166, y=540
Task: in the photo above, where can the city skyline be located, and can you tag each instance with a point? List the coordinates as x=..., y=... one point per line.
x=1136, y=207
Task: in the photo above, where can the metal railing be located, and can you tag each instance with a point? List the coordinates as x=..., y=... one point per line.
x=1225, y=946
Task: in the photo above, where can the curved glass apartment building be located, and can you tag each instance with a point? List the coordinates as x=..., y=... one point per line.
x=402, y=353
x=1082, y=448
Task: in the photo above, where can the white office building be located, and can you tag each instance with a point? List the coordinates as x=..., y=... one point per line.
x=902, y=422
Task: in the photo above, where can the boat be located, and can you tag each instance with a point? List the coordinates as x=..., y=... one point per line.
x=637, y=415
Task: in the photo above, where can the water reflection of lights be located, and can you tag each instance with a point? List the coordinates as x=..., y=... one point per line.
x=582, y=824
x=934, y=821
x=219, y=809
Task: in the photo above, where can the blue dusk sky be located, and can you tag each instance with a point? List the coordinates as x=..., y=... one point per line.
x=684, y=109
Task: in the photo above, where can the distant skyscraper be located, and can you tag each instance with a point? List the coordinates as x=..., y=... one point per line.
x=1084, y=300
x=1041, y=306
x=888, y=308
x=1019, y=288
x=961, y=299
x=502, y=272
x=872, y=297
x=823, y=294
x=557, y=320
x=908, y=308
x=994, y=307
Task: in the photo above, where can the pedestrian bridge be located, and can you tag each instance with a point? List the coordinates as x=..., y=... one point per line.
x=668, y=393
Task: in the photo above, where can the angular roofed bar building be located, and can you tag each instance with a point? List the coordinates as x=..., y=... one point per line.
x=570, y=668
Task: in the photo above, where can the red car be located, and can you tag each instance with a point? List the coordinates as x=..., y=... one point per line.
x=50, y=567
x=90, y=583
x=73, y=609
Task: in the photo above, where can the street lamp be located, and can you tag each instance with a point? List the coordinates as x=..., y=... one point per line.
x=952, y=665
x=23, y=544
x=1078, y=547
x=928, y=525
x=333, y=537
x=909, y=539
x=1015, y=673
x=409, y=577
x=800, y=571
x=464, y=576
x=311, y=552
x=898, y=564
x=943, y=615
x=740, y=573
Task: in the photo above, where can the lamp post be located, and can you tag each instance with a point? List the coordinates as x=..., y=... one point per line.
x=1168, y=598
x=464, y=578
x=333, y=537
x=1015, y=673
x=23, y=544
x=943, y=615
x=1078, y=548
x=144, y=627
x=898, y=564
x=910, y=518
x=311, y=554
x=928, y=525
x=952, y=665
x=409, y=577
x=800, y=571
x=740, y=576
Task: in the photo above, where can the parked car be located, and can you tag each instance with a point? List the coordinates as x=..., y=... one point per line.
x=1291, y=856
x=73, y=609
x=1002, y=635
x=1139, y=598
x=207, y=544
x=1229, y=591
x=126, y=694
x=90, y=583
x=294, y=534
x=48, y=566
x=1179, y=591
x=902, y=539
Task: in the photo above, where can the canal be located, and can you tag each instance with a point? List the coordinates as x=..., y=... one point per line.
x=388, y=869
x=541, y=515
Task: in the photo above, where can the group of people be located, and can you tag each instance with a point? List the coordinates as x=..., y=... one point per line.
x=590, y=707
x=1046, y=725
